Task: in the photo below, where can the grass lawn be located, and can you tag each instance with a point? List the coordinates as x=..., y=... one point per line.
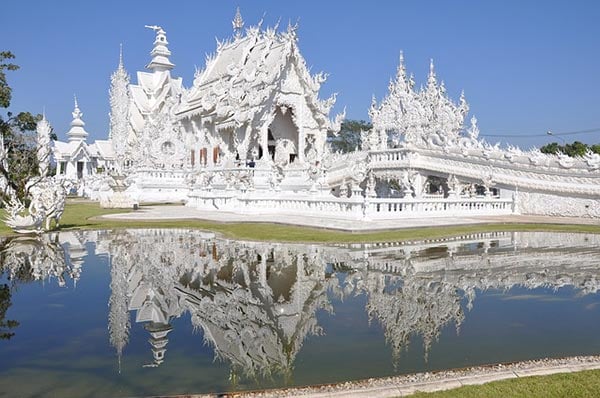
x=579, y=384
x=82, y=215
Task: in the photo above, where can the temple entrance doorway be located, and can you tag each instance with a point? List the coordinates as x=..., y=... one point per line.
x=282, y=140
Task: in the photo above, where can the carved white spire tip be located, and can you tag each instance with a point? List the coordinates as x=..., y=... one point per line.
x=237, y=23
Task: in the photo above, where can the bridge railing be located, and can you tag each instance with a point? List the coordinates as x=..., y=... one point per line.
x=388, y=155
x=383, y=208
x=356, y=207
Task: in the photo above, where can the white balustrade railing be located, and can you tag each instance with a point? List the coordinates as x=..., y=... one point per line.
x=397, y=208
x=546, y=163
x=320, y=206
x=388, y=155
x=162, y=175
x=212, y=202
x=354, y=207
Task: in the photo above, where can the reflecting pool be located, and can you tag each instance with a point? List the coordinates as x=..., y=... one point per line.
x=155, y=311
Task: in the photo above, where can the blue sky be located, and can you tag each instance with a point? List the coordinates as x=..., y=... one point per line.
x=526, y=66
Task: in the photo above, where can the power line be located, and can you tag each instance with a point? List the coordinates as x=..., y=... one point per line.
x=512, y=135
x=578, y=132
x=542, y=135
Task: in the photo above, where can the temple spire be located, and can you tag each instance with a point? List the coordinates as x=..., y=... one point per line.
x=77, y=132
x=119, y=109
x=401, y=78
x=401, y=67
x=238, y=23
x=43, y=130
x=431, y=79
x=432, y=91
x=121, y=66
x=160, y=52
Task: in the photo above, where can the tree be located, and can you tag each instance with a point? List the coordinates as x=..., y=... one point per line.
x=18, y=133
x=552, y=148
x=348, y=139
x=574, y=149
x=5, y=90
x=6, y=325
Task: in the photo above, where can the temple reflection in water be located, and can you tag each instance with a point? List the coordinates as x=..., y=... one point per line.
x=256, y=303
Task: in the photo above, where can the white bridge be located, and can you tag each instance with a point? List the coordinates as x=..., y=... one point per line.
x=473, y=181
x=418, y=160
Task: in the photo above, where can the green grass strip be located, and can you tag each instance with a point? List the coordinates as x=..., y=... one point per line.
x=84, y=215
x=578, y=384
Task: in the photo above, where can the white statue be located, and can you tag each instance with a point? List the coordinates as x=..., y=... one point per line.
x=22, y=222
x=283, y=149
x=454, y=185
x=46, y=194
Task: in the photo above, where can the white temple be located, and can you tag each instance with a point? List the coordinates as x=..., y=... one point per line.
x=250, y=136
x=77, y=160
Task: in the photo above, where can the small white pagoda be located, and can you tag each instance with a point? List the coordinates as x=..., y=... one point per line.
x=77, y=160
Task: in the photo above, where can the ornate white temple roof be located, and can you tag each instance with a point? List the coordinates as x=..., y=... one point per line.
x=77, y=146
x=103, y=149
x=160, y=52
x=66, y=150
x=418, y=117
x=156, y=88
x=77, y=132
x=248, y=71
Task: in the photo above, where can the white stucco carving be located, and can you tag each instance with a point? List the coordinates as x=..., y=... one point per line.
x=253, y=114
x=46, y=194
x=119, y=113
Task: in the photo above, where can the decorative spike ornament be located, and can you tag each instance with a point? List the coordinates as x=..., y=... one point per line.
x=77, y=131
x=238, y=24
x=119, y=108
x=43, y=144
x=420, y=118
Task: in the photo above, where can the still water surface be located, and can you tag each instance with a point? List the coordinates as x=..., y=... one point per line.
x=147, y=312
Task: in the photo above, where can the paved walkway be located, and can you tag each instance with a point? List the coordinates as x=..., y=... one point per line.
x=173, y=212
x=401, y=386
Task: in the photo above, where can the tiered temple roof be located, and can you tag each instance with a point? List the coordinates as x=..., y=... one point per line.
x=246, y=73
x=77, y=132
x=419, y=116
